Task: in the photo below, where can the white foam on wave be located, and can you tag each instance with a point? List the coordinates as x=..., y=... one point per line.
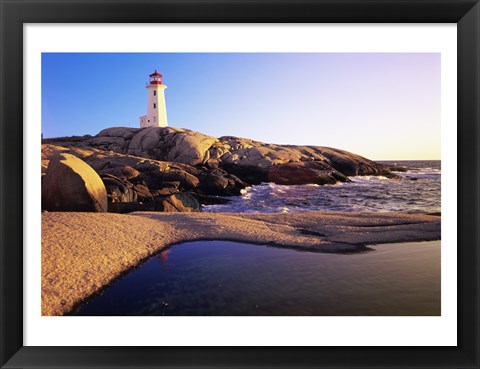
x=424, y=172
x=368, y=178
x=362, y=178
x=362, y=193
x=243, y=191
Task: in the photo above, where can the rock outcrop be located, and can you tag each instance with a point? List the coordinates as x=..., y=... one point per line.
x=180, y=202
x=102, y=246
x=145, y=166
x=304, y=172
x=134, y=183
x=197, y=149
x=70, y=184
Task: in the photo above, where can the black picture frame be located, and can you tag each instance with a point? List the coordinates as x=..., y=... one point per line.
x=15, y=13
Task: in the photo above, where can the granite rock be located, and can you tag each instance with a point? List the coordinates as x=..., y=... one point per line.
x=70, y=184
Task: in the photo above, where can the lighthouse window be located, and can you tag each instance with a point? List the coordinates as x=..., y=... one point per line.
x=154, y=93
x=154, y=105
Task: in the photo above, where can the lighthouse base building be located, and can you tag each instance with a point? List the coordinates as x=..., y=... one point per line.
x=156, y=108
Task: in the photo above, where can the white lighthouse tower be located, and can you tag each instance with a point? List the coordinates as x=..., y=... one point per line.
x=156, y=108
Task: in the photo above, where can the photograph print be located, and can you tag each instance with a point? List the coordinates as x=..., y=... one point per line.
x=240, y=184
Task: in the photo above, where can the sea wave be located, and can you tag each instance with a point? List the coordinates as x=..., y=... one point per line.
x=416, y=191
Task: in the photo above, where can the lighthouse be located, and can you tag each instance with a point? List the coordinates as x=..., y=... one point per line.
x=156, y=108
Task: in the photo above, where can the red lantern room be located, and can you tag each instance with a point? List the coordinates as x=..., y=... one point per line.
x=156, y=78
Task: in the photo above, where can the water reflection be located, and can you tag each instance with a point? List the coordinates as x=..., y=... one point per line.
x=227, y=278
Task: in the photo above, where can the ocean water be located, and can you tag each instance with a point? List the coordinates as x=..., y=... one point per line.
x=417, y=191
x=236, y=279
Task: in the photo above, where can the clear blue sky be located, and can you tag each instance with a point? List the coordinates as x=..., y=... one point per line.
x=379, y=105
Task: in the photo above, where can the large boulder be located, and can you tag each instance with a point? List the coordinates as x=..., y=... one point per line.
x=70, y=184
x=156, y=178
x=48, y=152
x=124, y=172
x=190, y=147
x=299, y=173
x=118, y=190
x=145, y=142
x=219, y=182
x=180, y=202
x=351, y=164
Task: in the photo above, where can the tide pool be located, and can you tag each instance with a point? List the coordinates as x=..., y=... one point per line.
x=235, y=279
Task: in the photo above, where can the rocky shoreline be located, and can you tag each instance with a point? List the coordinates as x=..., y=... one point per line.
x=177, y=170
x=84, y=252
x=161, y=177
